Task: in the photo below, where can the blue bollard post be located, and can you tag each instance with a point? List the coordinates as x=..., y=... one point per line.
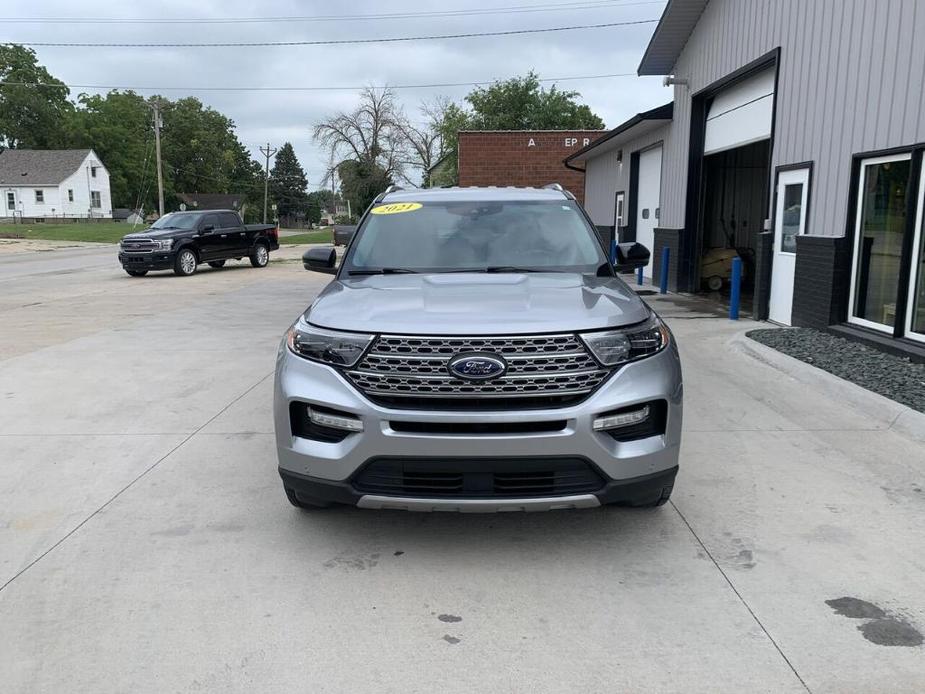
x=663, y=272
x=736, y=287
x=613, y=252
x=639, y=276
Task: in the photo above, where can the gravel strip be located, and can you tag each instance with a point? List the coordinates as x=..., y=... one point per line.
x=891, y=376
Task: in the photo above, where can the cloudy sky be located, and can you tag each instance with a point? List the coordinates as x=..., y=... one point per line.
x=278, y=116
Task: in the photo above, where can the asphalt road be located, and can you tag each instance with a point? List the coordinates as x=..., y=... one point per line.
x=146, y=545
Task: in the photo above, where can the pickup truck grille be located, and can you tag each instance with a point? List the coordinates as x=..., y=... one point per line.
x=556, y=369
x=137, y=245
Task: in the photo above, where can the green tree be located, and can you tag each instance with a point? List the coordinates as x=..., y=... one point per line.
x=361, y=182
x=30, y=117
x=118, y=127
x=520, y=103
x=202, y=153
x=312, y=211
x=288, y=183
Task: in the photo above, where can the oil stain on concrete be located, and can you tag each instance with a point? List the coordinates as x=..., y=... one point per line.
x=449, y=618
x=881, y=628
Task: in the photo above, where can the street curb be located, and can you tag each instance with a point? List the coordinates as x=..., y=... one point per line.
x=896, y=416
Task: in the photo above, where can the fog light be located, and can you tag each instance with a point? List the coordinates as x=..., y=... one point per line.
x=624, y=419
x=333, y=421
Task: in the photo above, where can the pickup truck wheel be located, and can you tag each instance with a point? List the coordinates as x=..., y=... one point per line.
x=302, y=503
x=217, y=263
x=185, y=264
x=137, y=273
x=261, y=256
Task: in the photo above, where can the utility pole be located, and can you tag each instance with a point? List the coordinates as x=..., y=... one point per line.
x=266, y=177
x=155, y=106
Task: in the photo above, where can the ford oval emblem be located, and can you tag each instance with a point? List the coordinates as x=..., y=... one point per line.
x=477, y=367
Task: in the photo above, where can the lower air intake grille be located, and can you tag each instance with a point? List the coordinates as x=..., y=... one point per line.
x=478, y=477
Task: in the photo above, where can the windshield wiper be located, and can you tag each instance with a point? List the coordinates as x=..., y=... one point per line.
x=383, y=271
x=514, y=268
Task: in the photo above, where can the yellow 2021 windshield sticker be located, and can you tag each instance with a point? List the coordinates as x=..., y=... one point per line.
x=396, y=208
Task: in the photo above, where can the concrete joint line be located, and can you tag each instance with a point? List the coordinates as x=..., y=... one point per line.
x=131, y=484
x=739, y=596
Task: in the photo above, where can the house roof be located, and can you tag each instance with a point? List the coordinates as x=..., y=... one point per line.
x=27, y=167
x=637, y=125
x=124, y=213
x=212, y=201
x=670, y=36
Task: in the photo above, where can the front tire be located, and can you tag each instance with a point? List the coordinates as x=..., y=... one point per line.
x=260, y=256
x=137, y=273
x=217, y=263
x=185, y=264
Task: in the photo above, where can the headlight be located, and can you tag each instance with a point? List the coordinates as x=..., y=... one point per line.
x=615, y=347
x=164, y=245
x=327, y=346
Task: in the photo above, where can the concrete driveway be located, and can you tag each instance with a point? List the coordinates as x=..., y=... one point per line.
x=146, y=545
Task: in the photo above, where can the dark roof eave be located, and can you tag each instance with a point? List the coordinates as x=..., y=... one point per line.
x=664, y=112
x=670, y=36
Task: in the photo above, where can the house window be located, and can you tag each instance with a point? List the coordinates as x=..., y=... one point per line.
x=39, y=197
x=11, y=201
x=93, y=171
x=95, y=199
x=70, y=195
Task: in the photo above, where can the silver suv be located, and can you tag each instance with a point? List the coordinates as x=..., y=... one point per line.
x=477, y=351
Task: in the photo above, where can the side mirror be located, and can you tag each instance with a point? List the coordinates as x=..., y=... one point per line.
x=631, y=256
x=320, y=259
x=343, y=233
x=207, y=228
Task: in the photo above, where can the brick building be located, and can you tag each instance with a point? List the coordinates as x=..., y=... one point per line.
x=522, y=158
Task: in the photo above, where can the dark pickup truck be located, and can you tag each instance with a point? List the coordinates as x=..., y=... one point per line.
x=179, y=241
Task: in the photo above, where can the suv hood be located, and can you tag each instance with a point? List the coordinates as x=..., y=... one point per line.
x=476, y=304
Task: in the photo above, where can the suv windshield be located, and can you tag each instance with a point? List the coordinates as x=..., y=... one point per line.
x=448, y=236
x=177, y=220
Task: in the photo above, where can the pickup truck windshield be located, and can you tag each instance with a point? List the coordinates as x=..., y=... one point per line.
x=510, y=236
x=177, y=220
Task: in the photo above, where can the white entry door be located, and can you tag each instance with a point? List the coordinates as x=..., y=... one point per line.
x=647, y=205
x=790, y=222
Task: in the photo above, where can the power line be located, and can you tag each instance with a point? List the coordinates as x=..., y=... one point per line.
x=332, y=42
x=432, y=85
x=512, y=9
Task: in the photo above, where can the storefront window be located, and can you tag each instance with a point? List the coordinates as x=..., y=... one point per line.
x=915, y=312
x=880, y=229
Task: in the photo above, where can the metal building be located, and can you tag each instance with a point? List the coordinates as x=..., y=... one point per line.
x=794, y=141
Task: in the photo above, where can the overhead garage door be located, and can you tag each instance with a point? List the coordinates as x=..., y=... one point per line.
x=741, y=114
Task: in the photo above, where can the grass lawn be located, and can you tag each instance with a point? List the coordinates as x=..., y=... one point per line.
x=112, y=232
x=319, y=236
x=100, y=232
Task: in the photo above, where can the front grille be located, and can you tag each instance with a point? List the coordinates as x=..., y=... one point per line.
x=477, y=428
x=138, y=245
x=553, y=368
x=478, y=477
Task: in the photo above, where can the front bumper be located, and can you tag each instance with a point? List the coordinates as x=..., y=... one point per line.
x=147, y=261
x=631, y=471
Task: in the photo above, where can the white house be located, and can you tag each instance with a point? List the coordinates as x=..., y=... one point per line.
x=53, y=184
